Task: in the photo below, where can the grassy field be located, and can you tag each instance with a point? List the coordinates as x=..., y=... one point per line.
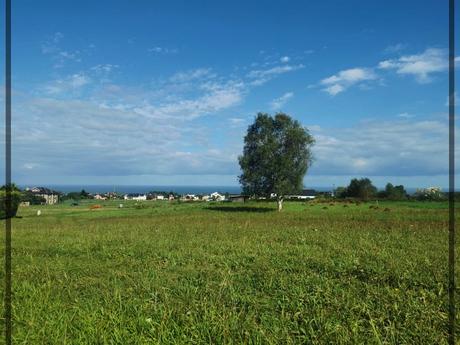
x=217, y=273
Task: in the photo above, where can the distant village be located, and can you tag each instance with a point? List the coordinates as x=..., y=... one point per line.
x=46, y=196
x=361, y=189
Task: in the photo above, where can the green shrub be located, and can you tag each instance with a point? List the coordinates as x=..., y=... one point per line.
x=33, y=199
x=15, y=200
x=430, y=194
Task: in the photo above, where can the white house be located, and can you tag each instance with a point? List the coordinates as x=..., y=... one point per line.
x=304, y=195
x=135, y=196
x=190, y=197
x=100, y=197
x=217, y=197
x=51, y=197
x=160, y=197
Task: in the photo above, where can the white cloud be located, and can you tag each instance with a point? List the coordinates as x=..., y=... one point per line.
x=71, y=83
x=29, y=166
x=314, y=128
x=279, y=102
x=104, y=68
x=334, y=89
x=260, y=77
x=285, y=59
x=344, y=79
x=121, y=130
x=163, y=50
x=406, y=115
x=79, y=80
x=110, y=142
x=68, y=55
x=236, y=124
x=51, y=47
x=394, y=48
x=183, y=96
x=421, y=66
x=217, y=98
x=57, y=37
x=124, y=130
x=393, y=148
x=191, y=75
x=236, y=120
x=121, y=139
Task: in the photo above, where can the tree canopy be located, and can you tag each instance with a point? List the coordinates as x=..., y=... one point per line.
x=394, y=192
x=12, y=187
x=276, y=156
x=361, y=188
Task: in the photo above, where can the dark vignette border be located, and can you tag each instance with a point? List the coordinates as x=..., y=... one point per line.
x=8, y=200
x=451, y=287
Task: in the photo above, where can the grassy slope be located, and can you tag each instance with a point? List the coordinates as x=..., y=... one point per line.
x=202, y=273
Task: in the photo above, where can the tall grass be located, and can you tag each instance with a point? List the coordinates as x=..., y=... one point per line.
x=172, y=273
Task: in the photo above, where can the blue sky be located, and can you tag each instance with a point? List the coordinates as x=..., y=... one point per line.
x=143, y=92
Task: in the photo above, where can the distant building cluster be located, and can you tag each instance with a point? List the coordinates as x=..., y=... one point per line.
x=135, y=196
x=50, y=197
x=304, y=195
x=216, y=196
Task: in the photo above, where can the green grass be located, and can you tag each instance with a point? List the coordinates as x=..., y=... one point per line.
x=210, y=273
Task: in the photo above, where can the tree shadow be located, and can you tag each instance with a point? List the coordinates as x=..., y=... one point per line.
x=240, y=209
x=4, y=217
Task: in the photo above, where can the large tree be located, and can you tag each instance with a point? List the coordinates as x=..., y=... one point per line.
x=361, y=188
x=395, y=192
x=276, y=156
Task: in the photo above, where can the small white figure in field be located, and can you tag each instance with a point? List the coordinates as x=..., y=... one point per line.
x=39, y=212
x=120, y=206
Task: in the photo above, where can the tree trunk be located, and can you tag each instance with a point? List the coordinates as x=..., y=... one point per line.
x=280, y=204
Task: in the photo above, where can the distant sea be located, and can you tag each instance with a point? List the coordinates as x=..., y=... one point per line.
x=124, y=189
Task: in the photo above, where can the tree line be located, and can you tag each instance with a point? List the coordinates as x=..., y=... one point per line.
x=277, y=154
x=363, y=189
